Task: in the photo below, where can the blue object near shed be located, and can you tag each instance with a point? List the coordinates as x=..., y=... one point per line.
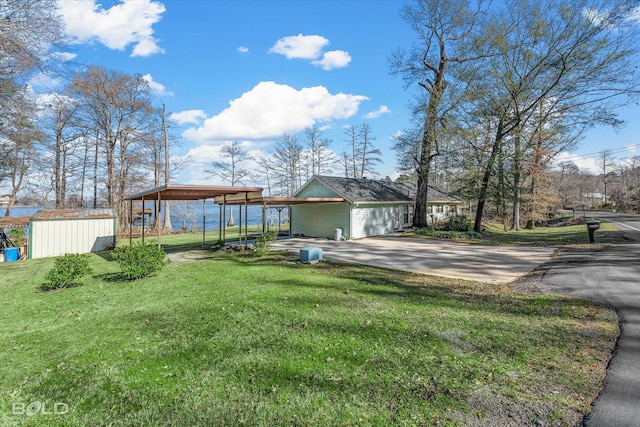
x=11, y=254
x=310, y=254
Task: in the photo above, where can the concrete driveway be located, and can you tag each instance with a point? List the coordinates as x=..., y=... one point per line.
x=489, y=264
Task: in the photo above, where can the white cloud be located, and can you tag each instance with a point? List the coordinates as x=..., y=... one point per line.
x=44, y=81
x=188, y=116
x=156, y=87
x=243, y=50
x=269, y=109
x=377, y=113
x=128, y=22
x=397, y=134
x=300, y=46
x=310, y=47
x=63, y=56
x=333, y=59
x=632, y=148
x=589, y=164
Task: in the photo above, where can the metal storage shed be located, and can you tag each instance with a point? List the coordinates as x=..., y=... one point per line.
x=58, y=232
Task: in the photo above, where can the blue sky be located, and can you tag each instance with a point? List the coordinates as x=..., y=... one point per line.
x=251, y=70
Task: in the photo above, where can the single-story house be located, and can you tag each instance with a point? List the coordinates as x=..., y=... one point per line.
x=370, y=207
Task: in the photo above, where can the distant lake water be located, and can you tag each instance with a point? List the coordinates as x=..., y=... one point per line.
x=189, y=215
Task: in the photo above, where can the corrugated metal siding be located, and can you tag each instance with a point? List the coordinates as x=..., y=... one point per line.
x=320, y=220
x=374, y=220
x=55, y=238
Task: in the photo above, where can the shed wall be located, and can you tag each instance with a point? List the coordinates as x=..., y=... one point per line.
x=55, y=238
x=320, y=220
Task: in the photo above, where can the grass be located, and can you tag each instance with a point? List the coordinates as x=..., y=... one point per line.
x=568, y=233
x=181, y=241
x=236, y=340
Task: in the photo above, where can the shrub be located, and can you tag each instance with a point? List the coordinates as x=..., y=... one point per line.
x=263, y=243
x=139, y=260
x=66, y=271
x=441, y=234
x=219, y=244
x=459, y=222
x=17, y=236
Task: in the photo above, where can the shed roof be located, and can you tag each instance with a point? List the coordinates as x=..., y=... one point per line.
x=363, y=190
x=191, y=192
x=14, y=221
x=66, y=214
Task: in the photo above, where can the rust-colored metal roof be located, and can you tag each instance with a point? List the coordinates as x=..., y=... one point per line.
x=14, y=221
x=276, y=201
x=58, y=214
x=191, y=192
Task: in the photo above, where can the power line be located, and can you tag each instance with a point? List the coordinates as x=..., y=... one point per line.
x=599, y=153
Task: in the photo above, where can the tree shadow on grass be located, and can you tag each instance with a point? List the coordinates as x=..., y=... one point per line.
x=47, y=287
x=117, y=277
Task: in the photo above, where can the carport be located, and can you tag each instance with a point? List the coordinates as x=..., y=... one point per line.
x=174, y=192
x=223, y=196
x=278, y=203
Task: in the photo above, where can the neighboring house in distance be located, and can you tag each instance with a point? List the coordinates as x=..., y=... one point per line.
x=370, y=207
x=4, y=200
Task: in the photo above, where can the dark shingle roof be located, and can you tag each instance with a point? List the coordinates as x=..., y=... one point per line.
x=363, y=190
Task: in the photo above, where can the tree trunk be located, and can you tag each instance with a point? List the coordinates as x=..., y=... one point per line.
x=482, y=197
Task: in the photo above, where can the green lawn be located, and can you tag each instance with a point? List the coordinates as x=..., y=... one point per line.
x=235, y=340
x=570, y=234
x=560, y=234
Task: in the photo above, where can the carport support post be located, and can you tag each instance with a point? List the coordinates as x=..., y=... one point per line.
x=130, y=221
x=158, y=216
x=246, y=220
x=220, y=221
x=223, y=224
x=204, y=219
x=142, y=234
x=264, y=218
x=240, y=225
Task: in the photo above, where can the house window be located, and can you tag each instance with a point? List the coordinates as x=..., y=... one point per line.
x=408, y=214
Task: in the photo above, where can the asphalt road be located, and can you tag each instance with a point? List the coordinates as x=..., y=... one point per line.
x=611, y=276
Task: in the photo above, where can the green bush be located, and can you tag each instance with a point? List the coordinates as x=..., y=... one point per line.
x=139, y=260
x=262, y=244
x=66, y=271
x=459, y=222
x=17, y=236
x=441, y=234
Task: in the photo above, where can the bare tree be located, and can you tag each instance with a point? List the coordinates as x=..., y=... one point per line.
x=322, y=159
x=287, y=157
x=230, y=169
x=265, y=171
x=20, y=138
x=28, y=29
x=605, y=162
x=117, y=107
